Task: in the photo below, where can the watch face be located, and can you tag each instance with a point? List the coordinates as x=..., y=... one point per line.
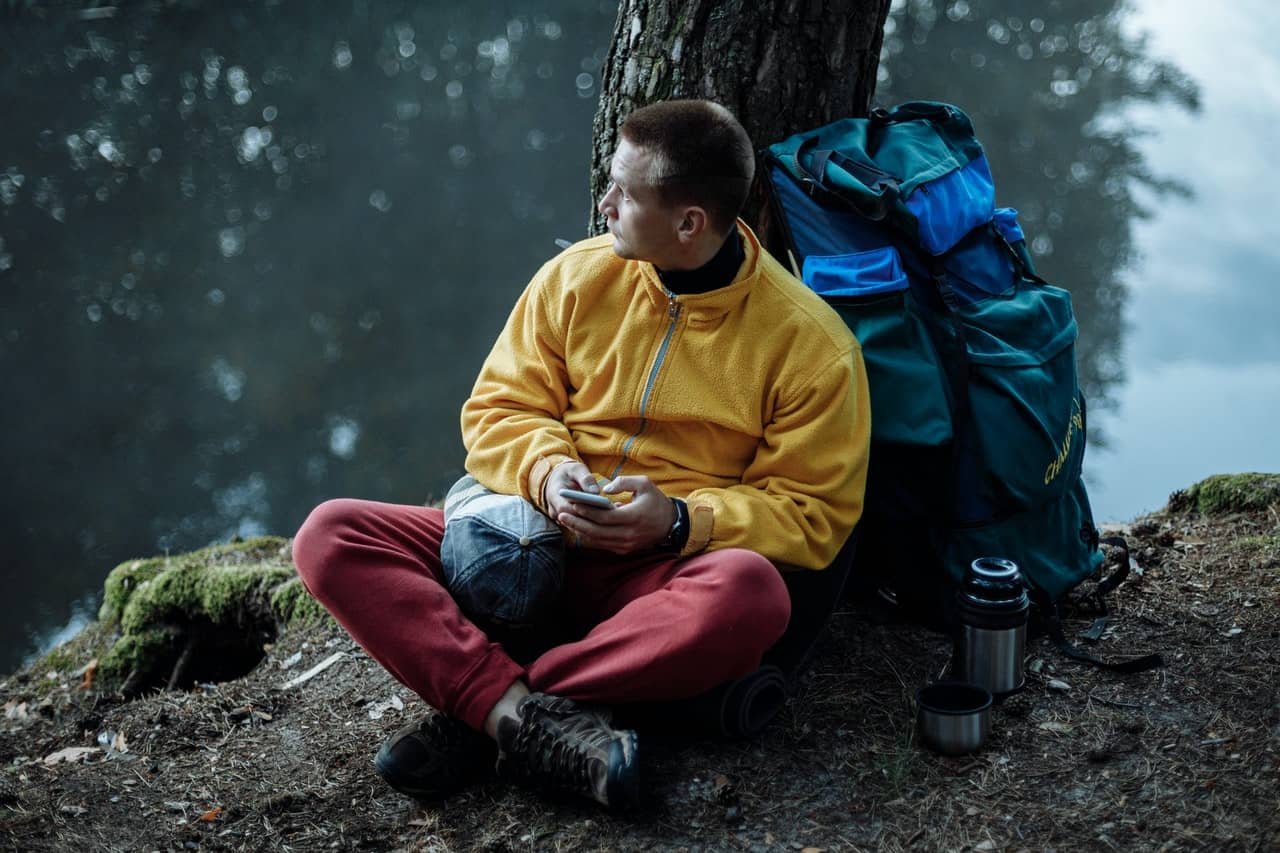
x=676, y=535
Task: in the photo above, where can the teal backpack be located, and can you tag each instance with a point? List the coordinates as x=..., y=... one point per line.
x=978, y=423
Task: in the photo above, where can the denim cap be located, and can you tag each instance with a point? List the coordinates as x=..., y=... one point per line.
x=503, y=559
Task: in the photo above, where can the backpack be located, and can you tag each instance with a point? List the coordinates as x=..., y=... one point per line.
x=977, y=419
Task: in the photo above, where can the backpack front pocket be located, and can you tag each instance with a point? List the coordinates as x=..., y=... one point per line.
x=857, y=274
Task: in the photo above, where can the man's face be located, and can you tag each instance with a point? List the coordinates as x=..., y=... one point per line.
x=642, y=228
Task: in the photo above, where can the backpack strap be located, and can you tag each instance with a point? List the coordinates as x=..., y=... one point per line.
x=1122, y=571
x=1052, y=621
x=885, y=188
x=1021, y=262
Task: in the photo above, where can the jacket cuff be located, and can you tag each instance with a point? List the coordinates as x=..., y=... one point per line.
x=701, y=521
x=538, y=477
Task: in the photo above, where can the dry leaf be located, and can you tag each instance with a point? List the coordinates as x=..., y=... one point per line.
x=87, y=674
x=71, y=753
x=378, y=709
x=211, y=815
x=113, y=742
x=814, y=850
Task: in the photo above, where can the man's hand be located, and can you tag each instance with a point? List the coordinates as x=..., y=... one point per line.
x=642, y=523
x=569, y=475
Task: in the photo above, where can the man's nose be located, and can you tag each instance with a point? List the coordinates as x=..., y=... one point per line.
x=604, y=205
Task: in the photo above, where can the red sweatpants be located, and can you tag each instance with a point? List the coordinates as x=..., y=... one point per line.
x=656, y=627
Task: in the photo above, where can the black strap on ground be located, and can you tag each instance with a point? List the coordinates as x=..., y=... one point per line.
x=1053, y=628
x=1122, y=571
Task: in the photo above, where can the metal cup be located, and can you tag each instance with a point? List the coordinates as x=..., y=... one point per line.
x=954, y=716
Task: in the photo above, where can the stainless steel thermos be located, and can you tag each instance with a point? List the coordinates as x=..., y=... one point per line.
x=992, y=606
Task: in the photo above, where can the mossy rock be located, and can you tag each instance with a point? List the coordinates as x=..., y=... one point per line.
x=1228, y=493
x=127, y=578
x=200, y=616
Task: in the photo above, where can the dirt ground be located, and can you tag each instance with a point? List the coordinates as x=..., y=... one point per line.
x=1181, y=758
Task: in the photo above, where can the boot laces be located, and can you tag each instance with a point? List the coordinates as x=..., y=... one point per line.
x=548, y=746
x=438, y=730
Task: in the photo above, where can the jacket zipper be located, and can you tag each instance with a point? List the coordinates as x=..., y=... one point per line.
x=673, y=314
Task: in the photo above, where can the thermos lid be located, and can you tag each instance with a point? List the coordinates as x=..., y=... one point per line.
x=994, y=582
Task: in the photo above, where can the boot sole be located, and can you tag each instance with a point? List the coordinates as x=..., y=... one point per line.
x=623, y=785
x=384, y=766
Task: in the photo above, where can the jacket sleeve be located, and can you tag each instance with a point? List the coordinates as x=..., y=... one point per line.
x=512, y=424
x=802, y=493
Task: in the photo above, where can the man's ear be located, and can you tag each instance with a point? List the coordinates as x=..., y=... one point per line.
x=693, y=223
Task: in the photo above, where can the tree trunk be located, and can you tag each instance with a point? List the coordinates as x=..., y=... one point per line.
x=781, y=66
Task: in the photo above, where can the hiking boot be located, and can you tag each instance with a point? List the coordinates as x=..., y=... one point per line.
x=434, y=757
x=558, y=742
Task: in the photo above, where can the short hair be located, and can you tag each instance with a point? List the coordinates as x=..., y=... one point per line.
x=700, y=155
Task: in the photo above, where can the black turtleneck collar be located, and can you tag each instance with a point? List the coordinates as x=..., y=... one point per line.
x=717, y=272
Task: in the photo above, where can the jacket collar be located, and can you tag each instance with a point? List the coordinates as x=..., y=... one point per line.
x=713, y=303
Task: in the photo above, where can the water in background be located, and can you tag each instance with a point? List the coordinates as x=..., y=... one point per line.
x=253, y=257
x=1201, y=392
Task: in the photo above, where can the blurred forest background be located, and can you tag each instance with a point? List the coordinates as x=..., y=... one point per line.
x=254, y=253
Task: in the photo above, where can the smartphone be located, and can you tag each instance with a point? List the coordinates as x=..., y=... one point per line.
x=597, y=501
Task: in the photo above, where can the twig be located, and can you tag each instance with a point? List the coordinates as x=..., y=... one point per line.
x=1113, y=703
x=314, y=671
x=182, y=664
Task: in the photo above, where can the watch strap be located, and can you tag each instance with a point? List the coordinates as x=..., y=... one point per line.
x=678, y=536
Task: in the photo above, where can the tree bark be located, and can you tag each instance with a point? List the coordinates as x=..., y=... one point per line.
x=781, y=66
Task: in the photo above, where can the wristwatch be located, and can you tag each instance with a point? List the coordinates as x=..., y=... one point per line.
x=678, y=535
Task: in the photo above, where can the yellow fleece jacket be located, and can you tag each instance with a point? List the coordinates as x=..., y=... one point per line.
x=749, y=401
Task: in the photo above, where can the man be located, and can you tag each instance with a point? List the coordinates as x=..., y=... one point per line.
x=673, y=360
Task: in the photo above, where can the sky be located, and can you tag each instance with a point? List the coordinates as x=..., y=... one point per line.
x=1203, y=354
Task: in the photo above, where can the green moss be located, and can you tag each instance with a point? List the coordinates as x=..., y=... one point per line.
x=220, y=603
x=1227, y=493
x=121, y=583
x=292, y=603
x=218, y=593
x=126, y=579
x=1261, y=544
x=162, y=603
x=150, y=650
x=59, y=659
